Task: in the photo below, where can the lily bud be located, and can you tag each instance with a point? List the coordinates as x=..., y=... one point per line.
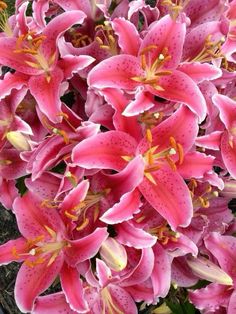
x=18, y=140
x=229, y=190
x=162, y=309
x=207, y=270
x=113, y=254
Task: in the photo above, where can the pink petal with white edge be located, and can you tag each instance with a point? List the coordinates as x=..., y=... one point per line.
x=53, y=303
x=143, y=101
x=56, y=27
x=104, y=151
x=103, y=273
x=161, y=274
x=76, y=195
x=124, y=210
x=46, y=91
x=73, y=288
x=166, y=33
x=122, y=300
x=228, y=152
x=12, y=81
x=116, y=72
x=227, y=109
x=200, y=72
x=211, y=297
x=126, y=180
x=131, y=236
x=128, y=36
x=72, y=64
x=210, y=141
x=142, y=271
x=32, y=217
x=170, y=196
x=181, y=88
x=195, y=165
x=32, y=281
x=19, y=246
x=223, y=247
x=182, y=246
x=86, y=247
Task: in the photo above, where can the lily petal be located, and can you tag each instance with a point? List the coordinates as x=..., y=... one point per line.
x=86, y=247
x=53, y=303
x=73, y=288
x=129, y=204
x=7, y=251
x=32, y=281
x=181, y=88
x=170, y=197
x=131, y=236
x=104, y=151
x=46, y=90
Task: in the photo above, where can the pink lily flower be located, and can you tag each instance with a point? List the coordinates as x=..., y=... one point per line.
x=36, y=57
x=154, y=69
x=45, y=250
x=113, y=149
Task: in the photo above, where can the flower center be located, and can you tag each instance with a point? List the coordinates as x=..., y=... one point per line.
x=29, y=45
x=211, y=50
x=152, y=67
x=105, y=38
x=154, y=159
x=80, y=211
x=164, y=234
x=175, y=7
x=201, y=197
x=39, y=251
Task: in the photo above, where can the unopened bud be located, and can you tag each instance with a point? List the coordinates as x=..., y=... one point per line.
x=113, y=254
x=18, y=140
x=229, y=190
x=207, y=270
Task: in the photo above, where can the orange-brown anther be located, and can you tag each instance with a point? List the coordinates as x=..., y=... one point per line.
x=105, y=38
x=29, y=43
x=164, y=234
x=175, y=7
x=171, y=162
x=180, y=153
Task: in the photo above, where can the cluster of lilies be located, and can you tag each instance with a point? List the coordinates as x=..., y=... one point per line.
x=119, y=118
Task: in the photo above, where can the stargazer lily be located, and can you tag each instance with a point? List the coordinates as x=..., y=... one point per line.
x=35, y=58
x=154, y=69
x=46, y=251
x=161, y=151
